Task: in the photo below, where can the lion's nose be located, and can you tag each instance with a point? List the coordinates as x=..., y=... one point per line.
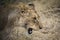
x=30, y=31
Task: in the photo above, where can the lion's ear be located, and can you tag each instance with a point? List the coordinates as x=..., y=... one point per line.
x=31, y=5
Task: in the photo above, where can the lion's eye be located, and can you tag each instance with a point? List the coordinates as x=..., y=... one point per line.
x=34, y=18
x=22, y=11
x=30, y=30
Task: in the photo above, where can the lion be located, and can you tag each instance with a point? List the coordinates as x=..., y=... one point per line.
x=23, y=17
